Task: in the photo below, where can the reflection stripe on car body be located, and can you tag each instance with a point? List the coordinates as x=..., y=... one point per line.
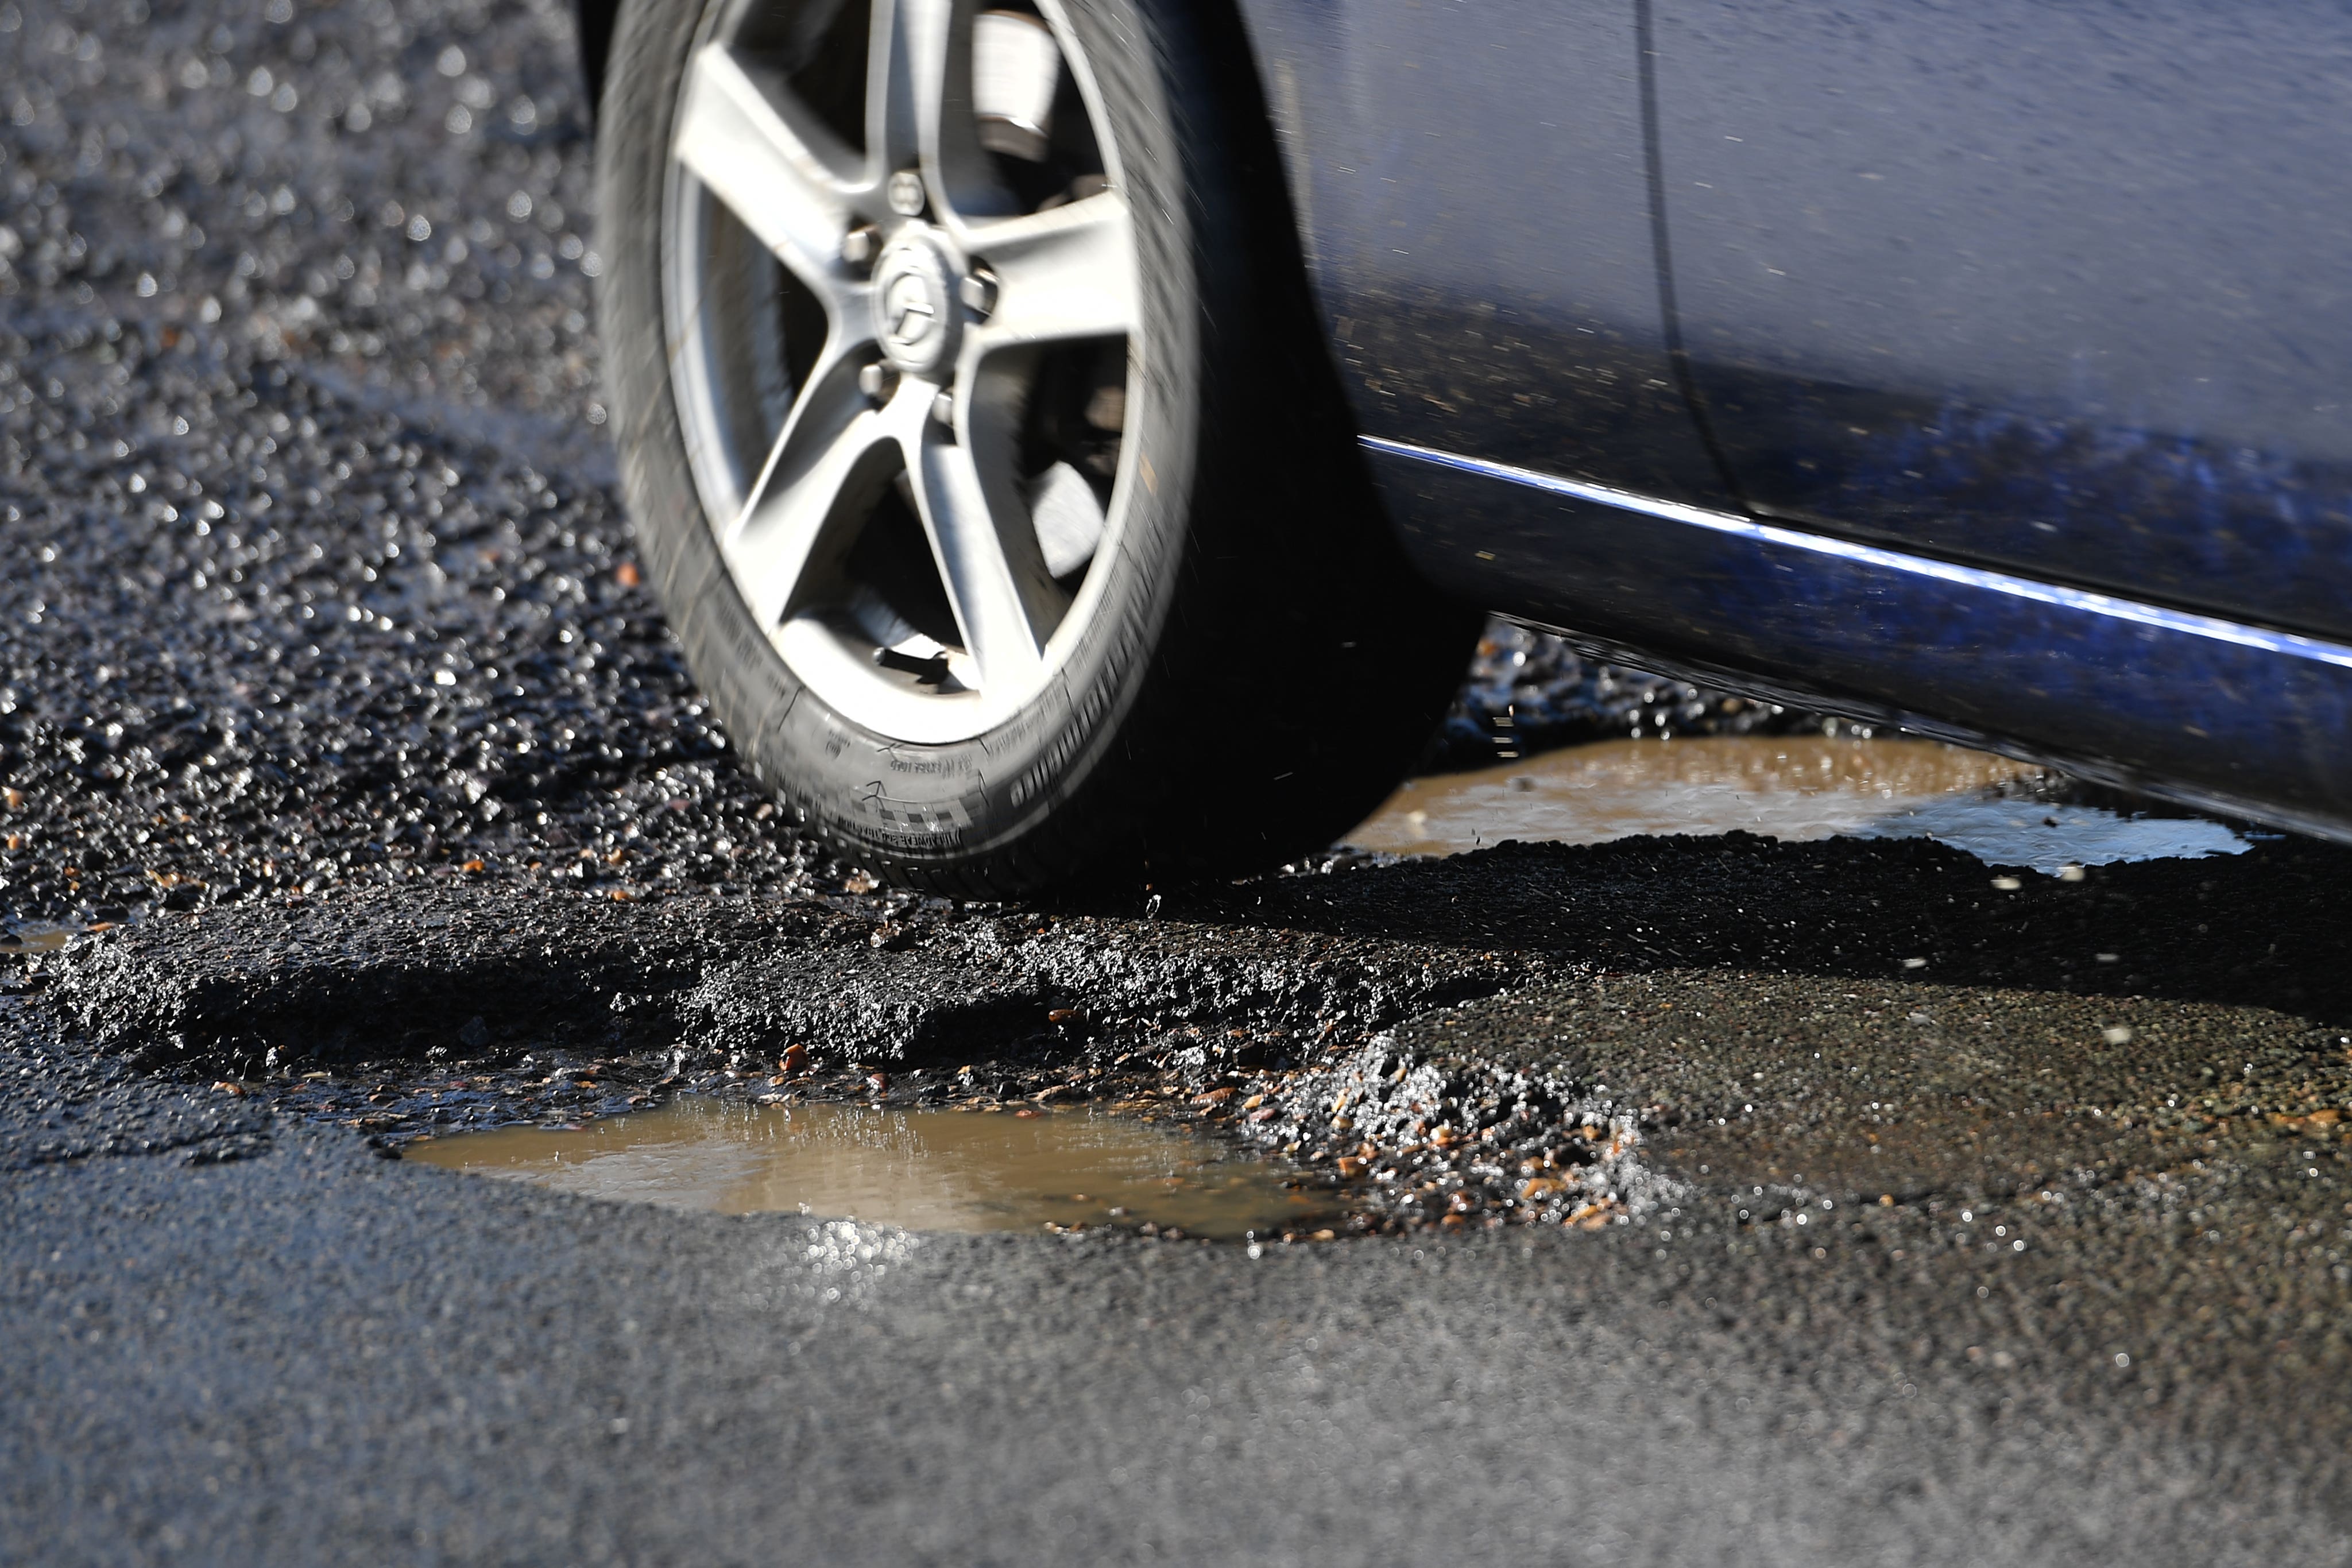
x=1972, y=577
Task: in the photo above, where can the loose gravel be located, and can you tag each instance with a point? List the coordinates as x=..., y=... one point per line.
x=322, y=581
x=1529, y=691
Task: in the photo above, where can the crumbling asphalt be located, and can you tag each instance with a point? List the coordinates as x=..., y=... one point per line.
x=1709, y=1201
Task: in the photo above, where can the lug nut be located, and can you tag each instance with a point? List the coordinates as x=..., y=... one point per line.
x=978, y=292
x=943, y=409
x=877, y=381
x=906, y=192
x=860, y=246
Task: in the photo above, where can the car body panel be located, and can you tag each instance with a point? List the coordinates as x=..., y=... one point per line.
x=1471, y=190
x=1889, y=428
x=2062, y=288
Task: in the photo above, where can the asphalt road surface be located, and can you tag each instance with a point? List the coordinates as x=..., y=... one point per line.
x=1715, y=1200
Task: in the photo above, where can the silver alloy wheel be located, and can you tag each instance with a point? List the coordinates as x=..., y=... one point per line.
x=878, y=331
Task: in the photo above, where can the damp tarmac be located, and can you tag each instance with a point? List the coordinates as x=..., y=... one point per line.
x=333, y=685
x=964, y=1169
x=1779, y=786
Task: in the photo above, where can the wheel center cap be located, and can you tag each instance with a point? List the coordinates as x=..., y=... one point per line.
x=914, y=306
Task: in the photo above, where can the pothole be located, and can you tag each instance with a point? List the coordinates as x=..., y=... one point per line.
x=959, y=1169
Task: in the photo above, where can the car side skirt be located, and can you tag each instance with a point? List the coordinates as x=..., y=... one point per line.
x=2240, y=719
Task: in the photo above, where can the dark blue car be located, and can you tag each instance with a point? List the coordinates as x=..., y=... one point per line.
x=1004, y=393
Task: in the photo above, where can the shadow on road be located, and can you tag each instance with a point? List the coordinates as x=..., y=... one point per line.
x=2271, y=928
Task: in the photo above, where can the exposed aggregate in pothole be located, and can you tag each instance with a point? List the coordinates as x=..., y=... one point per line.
x=1548, y=1057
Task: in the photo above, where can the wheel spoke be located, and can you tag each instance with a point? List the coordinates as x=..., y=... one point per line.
x=920, y=109
x=779, y=170
x=907, y=62
x=986, y=590
x=1067, y=272
x=826, y=448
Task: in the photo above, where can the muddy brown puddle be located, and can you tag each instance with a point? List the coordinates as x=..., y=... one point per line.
x=963, y=1170
x=1781, y=787
x=40, y=935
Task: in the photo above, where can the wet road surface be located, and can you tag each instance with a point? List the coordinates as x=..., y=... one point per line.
x=1706, y=1199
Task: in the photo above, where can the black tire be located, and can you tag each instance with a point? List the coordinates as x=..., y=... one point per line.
x=1263, y=666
